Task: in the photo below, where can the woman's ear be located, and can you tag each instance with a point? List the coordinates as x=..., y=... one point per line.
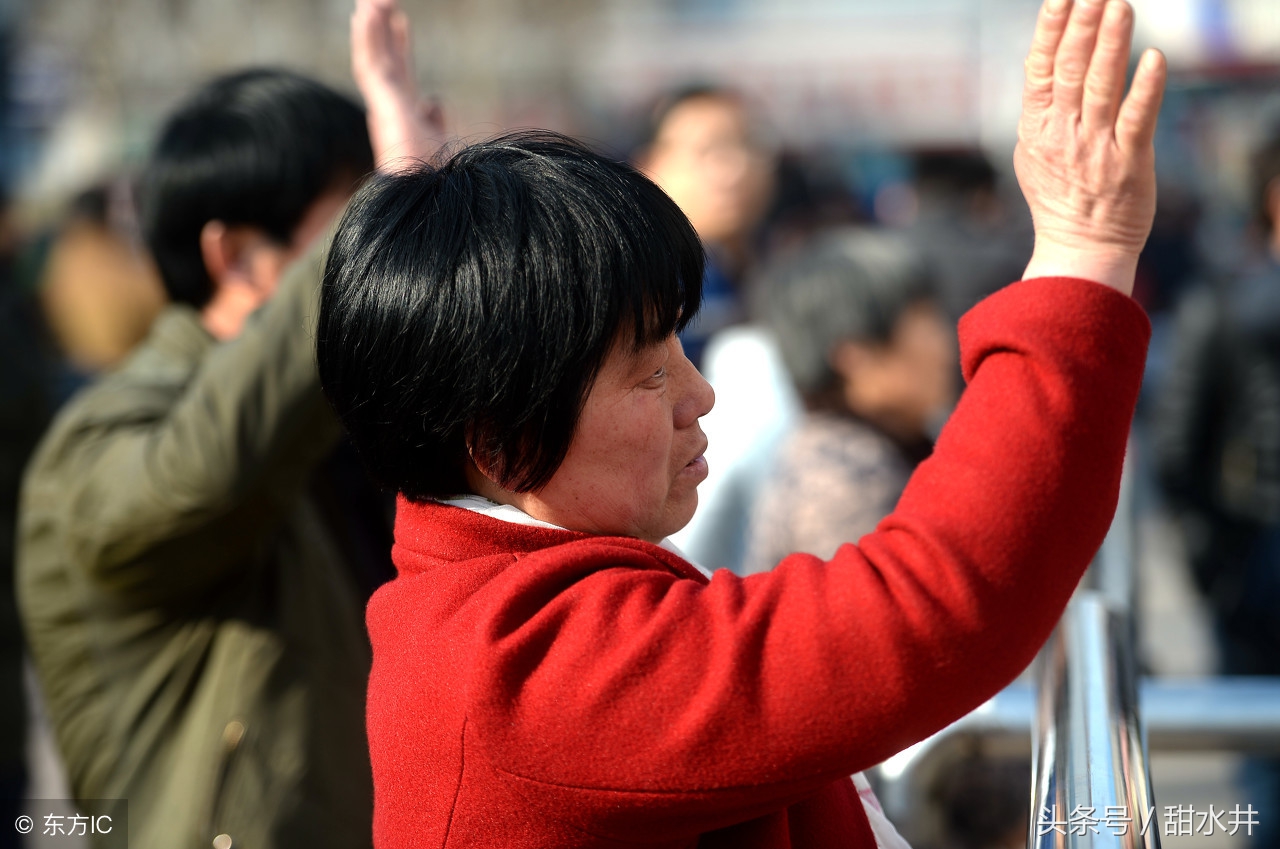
x=481, y=477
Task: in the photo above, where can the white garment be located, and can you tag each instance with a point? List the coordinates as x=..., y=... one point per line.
x=886, y=835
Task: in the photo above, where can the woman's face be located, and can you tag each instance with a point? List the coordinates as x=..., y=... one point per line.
x=635, y=461
x=902, y=385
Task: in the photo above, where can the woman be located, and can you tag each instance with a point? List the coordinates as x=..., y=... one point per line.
x=869, y=351
x=498, y=336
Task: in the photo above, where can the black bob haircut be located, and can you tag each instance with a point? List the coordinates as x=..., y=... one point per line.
x=467, y=307
x=253, y=148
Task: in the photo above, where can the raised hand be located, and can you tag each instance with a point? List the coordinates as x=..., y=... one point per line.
x=1085, y=158
x=402, y=127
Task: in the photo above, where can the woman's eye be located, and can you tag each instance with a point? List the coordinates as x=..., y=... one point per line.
x=657, y=378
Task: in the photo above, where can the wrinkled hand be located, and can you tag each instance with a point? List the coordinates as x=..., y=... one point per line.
x=402, y=127
x=1085, y=158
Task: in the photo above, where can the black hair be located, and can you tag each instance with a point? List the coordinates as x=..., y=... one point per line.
x=252, y=148
x=954, y=172
x=1266, y=171
x=851, y=284
x=467, y=307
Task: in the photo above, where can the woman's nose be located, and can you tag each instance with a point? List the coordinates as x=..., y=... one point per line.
x=696, y=395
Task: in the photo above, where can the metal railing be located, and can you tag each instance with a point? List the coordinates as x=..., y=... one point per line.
x=1091, y=783
x=1083, y=720
x=1196, y=715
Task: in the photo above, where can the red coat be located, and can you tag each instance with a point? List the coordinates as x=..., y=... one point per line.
x=543, y=688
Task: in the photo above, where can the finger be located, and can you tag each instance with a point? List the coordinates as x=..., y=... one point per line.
x=1072, y=62
x=1038, y=90
x=366, y=18
x=1136, y=123
x=360, y=26
x=400, y=33
x=1104, y=86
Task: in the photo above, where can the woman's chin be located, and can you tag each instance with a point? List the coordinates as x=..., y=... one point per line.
x=683, y=515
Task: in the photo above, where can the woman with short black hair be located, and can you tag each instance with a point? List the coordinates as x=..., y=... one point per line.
x=498, y=333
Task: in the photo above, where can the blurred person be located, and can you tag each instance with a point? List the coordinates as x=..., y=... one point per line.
x=1171, y=263
x=873, y=357
x=705, y=151
x=812, y=195
x=548, y=673
x=1216, y=432
x=964, y=228
x=190, y=574
x=24, y=411
x=194, y=623
x=99, y=289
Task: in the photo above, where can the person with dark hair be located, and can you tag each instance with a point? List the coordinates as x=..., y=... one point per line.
x=871, y=354
x=1217, y=449
x=256, y=150
x=498, y=333
x=704, y=149
x=965, y=229
x=192, y=567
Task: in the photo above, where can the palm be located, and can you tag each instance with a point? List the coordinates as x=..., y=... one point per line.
x=1085, y=158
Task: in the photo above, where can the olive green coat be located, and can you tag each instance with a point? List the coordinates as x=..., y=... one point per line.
x=197, y=634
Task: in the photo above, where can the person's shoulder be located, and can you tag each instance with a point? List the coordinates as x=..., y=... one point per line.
x=153, y=373
x=138, y=393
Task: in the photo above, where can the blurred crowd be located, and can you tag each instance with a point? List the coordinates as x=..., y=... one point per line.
x=828, y=330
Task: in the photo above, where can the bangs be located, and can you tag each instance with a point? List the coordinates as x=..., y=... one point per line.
x=657, y=287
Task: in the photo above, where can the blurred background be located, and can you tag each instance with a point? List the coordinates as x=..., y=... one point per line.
x=87, y=82
x=897, y=114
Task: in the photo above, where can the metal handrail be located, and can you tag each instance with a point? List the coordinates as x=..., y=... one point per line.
x=1091, y=783
x=1222, y=714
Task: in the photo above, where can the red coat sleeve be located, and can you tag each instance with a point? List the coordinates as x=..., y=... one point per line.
x=621, y=697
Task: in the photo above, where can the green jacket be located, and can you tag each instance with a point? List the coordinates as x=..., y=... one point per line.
x=198, y=636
